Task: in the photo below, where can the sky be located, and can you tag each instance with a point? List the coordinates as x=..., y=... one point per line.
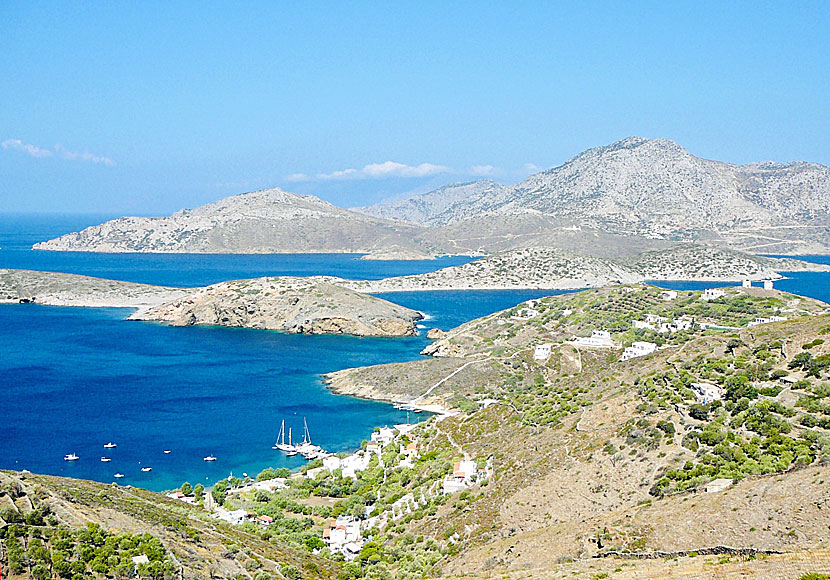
x=147, y=107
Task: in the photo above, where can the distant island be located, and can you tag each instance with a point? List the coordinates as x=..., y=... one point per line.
x=611, y=201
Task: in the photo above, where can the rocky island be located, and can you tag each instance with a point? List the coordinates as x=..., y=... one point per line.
x=294, y=305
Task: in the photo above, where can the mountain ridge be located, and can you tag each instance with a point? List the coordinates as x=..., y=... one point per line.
x=642, y=191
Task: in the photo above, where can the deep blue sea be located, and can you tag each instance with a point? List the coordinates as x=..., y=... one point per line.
x=76, y=378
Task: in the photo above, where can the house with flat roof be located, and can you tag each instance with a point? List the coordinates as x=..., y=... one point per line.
x=638, y=349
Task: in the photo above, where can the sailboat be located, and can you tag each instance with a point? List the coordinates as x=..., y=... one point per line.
x=307, y=449
x=281, y=445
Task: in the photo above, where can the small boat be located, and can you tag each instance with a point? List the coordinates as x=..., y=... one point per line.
x=146, y=469
x=167, y=452
x=292, y=453
x=110, y=445
x=106, y=459
x=210, y=458
x=70, y=457
x=118, y=475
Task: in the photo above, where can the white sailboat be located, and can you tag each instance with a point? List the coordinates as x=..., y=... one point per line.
x=307, y=449
x=70, y=457
x=281, y=445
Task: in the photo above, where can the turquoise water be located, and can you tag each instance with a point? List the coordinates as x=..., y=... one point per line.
x=76, y=378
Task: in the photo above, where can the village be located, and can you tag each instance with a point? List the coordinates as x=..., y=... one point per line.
x=346, y=534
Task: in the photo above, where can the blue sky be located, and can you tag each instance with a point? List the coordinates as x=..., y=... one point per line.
x=147, y=107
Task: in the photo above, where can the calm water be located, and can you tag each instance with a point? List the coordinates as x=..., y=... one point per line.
x=76, y=378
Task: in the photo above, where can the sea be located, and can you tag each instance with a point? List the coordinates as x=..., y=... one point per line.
x=73, y=379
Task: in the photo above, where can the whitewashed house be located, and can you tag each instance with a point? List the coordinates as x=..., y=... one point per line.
x=350, y=465
x=341, y=532
x=768, y=285
x=638, y=349
x=598, y=339
x=668, y=295
x=643, y=324
x=463, y=476
x=525, y=314
x=542, y=352
x=712, y=294
x=331, y=462
x=384, y=436
x=758, y=321
x=707, y=392
x=746, y=284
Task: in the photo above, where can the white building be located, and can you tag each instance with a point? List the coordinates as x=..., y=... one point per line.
x=717, y=485
x=331, y=462
x=526, y=314
x=342, y=532
x=235, y=517
x=676, y=325
x=542, y=352
x=758, y=321
x=712, y=294
x=768, y=285
x=746, y=284
x=655, y=319
x=643, y=324
x=668, y=295
x=463, y=476
x=353, y=463
x=384, y=436
x=598, y=339
x=707, y=392
x=638, y=349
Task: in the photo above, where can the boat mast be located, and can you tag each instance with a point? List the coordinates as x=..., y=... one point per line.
x=306, y=434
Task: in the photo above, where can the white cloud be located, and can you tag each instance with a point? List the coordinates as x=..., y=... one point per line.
x=482, y=170
x=64, y=153
x=60, y=152
x=33, y=150
x=297, y=177
x=387, y=169
x=531, y=168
